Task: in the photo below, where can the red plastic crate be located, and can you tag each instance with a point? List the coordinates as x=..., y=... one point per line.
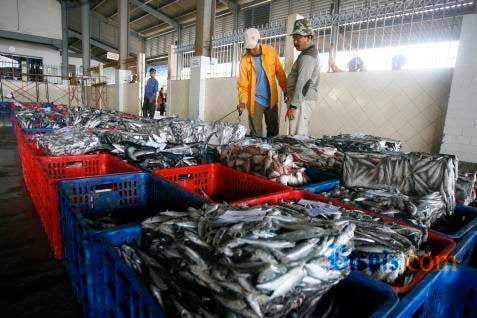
x=47, y=171
x=441, y=246
x=219, y=183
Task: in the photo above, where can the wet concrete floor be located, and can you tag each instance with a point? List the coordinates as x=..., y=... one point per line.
x=32, y=282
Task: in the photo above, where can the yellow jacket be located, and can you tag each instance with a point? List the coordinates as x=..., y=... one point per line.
x=248, y=76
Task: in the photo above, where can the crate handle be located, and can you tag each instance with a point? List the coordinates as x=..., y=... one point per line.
x=74, y=164
x=106, y=187
x=184, y=177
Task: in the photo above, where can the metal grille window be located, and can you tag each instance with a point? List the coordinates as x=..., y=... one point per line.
x=257, y=16
x=416, y=33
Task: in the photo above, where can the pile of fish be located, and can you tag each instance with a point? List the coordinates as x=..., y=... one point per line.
x=40, y=118
x=71, y=140
x=264, y=261
x=359, y=143
x=282, y=159
x=263, y=159
x=306, y=153
x=421, y=210
x=380, y=248
x=150, y=144
x=465, y=188
x=414, y=174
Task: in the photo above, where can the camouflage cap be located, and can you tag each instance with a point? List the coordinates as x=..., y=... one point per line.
x=302, y=27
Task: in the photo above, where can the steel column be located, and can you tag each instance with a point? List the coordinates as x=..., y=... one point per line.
x=85, y=30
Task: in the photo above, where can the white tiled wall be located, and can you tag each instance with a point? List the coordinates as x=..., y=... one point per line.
x=460, y=133
x=407, y=105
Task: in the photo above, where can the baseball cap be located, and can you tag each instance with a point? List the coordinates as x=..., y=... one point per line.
x=251, y=37
x=302, y=27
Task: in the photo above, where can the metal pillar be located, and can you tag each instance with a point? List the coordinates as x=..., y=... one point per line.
x=335, y=30
x=85, y=29
x=123, y=33
x=64, y=40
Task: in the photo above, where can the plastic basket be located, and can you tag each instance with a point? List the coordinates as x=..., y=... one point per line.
x=119, y=280
x=357, y=296
x=441, y=247
x=220, y=183
x=466, y=250
x=447, y=293
x=134, y=196
x=54, y=169
x=361, y=294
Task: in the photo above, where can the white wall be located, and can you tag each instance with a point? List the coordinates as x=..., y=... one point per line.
x=79, y=61
x=178, y=98
x=407, y=105
x=49, y=54
x=35, y=17
x=461, y=121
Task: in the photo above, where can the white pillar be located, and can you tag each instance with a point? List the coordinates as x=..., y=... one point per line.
x=141, y=79
x=460, y=130
x=291, y=53
x=198, y=73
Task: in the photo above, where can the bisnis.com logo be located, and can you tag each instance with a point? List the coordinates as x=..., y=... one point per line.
x=342, y=257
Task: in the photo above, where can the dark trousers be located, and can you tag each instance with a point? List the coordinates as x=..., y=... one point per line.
x=162, y=109
x=148, y=109
x=271, y=120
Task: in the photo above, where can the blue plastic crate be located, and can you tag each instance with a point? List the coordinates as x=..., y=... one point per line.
x=451, y=293
x=465, y=220
x=466, y=251
x=31, y=131
x=5, y=107
x=123, y=293
x=358, y=296
x=465, y=217
x=133, y=196
x=321, y=181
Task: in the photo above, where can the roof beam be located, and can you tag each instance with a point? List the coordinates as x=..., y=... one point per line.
x=30, y=38
x=99, y=4
x=159, y=8
x=232, y=4
x=94, y=42
x=159, y=15
x=130, y=11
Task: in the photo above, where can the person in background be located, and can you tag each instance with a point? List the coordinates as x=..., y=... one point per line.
x=332, y=67
x=149, y=106
x=302, y=82
x=259, y=70
x=356, y=64
x=398, y=62
x=162, y=102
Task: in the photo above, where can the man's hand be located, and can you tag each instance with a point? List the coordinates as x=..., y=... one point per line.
x=151, y=100
x=240, y=108
x=290, y=114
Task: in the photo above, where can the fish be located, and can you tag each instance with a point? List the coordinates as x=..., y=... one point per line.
x=237, y=263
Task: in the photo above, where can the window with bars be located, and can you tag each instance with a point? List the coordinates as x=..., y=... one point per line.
x=257, y=16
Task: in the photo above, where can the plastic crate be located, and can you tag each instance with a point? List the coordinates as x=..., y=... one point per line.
x=117, y=281
x=464, y=220
x=320, y=180
x=54, y=169
x=441, y=246
x=134, y=196
x=447, y=293
x=466, y=250
x=357, y=296
x=362, y=295
x=219, y=183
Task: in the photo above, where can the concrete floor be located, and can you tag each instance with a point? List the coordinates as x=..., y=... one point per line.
x=32, y=282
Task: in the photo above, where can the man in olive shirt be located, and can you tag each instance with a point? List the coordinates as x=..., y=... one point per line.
x=302, y=82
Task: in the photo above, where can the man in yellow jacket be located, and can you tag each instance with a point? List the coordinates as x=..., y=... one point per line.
x=260, y=68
